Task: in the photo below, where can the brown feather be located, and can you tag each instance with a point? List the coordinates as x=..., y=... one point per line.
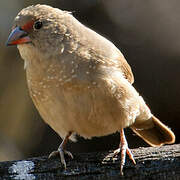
x=154, y=132
x=126, y=69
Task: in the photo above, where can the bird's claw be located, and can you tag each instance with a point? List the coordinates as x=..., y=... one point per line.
x=116, y=152
x=61, y=152
x=124, y=150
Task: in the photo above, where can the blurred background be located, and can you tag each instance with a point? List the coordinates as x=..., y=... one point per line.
x=147, y=33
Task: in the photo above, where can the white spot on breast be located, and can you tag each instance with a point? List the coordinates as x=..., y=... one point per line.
x=85, y=53
x=61, y=48
x=74, y=46
x=67, y=34
x=41, y=83
x=87, y=72
x=22, y=170
x=68, y=80
x=70, y=51
x=25, y=64
x=74, y=76
x=44, y=98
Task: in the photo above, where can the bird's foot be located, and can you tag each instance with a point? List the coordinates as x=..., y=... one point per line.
x=123, y=149
x=61, y=152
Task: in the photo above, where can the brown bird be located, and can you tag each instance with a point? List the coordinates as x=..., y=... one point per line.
x=80, y=82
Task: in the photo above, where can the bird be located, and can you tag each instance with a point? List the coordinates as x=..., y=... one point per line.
x=80, y=82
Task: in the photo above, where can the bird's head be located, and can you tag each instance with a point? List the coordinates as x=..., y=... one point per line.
x=39, y=26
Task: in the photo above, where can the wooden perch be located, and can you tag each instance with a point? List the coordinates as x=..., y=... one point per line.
x=152, y=163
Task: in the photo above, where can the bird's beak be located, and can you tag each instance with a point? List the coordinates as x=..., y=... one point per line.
x=18, y=36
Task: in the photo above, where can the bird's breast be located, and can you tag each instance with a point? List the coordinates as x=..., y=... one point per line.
x=71, y=95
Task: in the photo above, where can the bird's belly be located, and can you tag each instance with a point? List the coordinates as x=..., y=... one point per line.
x=88, y=113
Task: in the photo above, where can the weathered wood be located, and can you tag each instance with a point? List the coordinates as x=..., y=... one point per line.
x=152, y=163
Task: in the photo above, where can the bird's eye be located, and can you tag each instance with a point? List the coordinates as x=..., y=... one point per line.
x=38, y=25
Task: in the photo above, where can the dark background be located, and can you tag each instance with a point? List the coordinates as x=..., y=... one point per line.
x=147, y=33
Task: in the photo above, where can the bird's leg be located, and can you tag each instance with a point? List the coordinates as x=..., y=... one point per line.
x=123, y=148
x=61, y=150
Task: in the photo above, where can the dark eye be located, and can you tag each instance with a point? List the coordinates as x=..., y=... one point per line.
x=38, y=25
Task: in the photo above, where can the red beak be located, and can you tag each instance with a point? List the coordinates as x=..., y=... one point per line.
x=18, y=36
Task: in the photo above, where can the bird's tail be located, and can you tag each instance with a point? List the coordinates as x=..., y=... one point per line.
x=154, y=132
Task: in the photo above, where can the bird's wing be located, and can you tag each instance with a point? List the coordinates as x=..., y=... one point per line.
x=126, y=69
x=102, y=48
